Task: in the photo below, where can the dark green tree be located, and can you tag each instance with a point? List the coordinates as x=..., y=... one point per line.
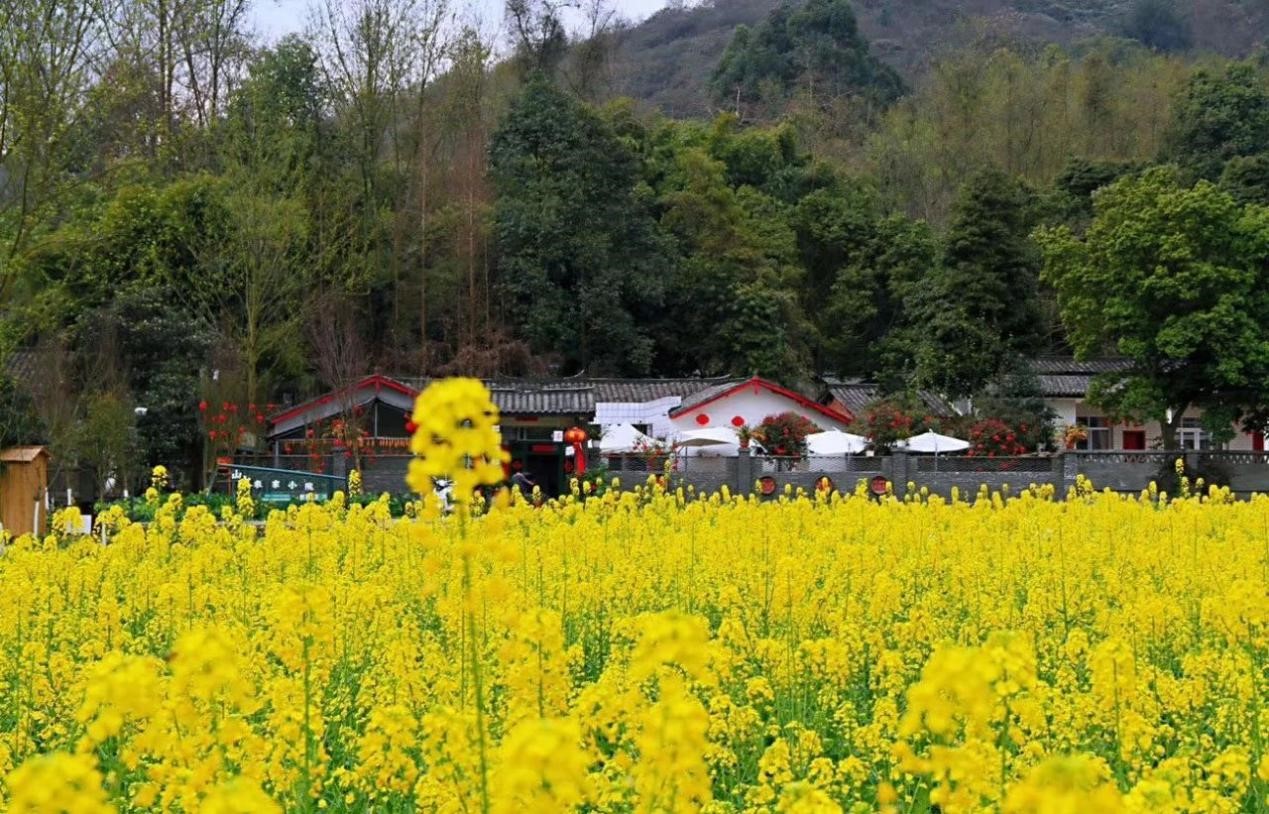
x=19, y=421
x=860, y=271
x=979, y=308
x=1080, y=178
x=867, y=324
x=1247, y=179
x=580, y=259
x=1159, y=25
x=275, y=129
x=1220, y=116
x=816, y=48
x=736, y=261
x=162, y=347
x=1175, y=278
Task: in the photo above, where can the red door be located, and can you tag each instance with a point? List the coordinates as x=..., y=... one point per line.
x=1134, y=439
x=1258, y=441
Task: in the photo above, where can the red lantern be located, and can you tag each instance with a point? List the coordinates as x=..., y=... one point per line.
x=702, y=419
x=410, y=426
x=576, y=436
x=737, y=421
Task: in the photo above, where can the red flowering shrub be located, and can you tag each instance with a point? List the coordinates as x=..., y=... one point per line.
x=889, y=420
x=229, y=426
x=992, y=437
x=785, y=434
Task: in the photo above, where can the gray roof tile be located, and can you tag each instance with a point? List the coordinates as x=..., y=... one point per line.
x=705, y=394
x=644, y=390
x=1061, y=365
x=856, y=395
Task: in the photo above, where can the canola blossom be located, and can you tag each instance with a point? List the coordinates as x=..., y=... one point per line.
x=645, y=652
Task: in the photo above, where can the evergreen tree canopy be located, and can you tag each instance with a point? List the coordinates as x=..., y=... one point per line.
x=1159, y=25
x=1221, y=116
x=1175, y=278
x=580, y=256
x=979, y=308
x=816, y=48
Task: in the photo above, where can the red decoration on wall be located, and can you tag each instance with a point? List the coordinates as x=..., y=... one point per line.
x=737, y=421
x=702, y=419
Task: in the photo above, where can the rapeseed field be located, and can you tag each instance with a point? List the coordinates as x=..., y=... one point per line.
x=645, y=651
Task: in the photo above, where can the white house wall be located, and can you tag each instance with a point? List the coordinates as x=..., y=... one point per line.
x=1068, y=410
x=654, y=414
x=752, y=407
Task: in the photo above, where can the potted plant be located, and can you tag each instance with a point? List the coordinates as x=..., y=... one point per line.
x=1074, y=434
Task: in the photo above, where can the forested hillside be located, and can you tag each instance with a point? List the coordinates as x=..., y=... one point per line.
x=666, y=60
x=188, y=216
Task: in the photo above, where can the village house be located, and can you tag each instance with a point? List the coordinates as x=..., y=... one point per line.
x=536, y=413
x=1065, y=383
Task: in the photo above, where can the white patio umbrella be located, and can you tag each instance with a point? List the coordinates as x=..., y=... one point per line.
x=711, y=441
x=710, y=437
x=835, y=442
x=931, y=441
x=622, y=438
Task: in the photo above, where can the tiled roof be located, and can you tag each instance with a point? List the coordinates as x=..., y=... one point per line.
x=1065, y=385
x=856, y=395
x=22, y=366
x=543, y=398
x=1060, y=365
x=531, y=396
x=637, y=391
x=1064, y=377
x=569, y=396
x=706, y=394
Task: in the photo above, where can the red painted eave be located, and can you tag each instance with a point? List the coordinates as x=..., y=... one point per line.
x=759, y=383
x=377, y=382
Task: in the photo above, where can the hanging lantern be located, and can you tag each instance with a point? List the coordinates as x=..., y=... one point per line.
x=576, y=436
x=410, y=426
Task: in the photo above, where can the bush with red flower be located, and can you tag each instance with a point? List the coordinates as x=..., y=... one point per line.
x=993, y=437
x=785, y=434
x=889, y=420
x=230, y=426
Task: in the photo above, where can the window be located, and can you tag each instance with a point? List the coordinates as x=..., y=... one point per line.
x=1191, y=435
x=1098, y=429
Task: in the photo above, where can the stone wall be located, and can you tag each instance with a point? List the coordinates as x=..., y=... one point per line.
x=1245, y=473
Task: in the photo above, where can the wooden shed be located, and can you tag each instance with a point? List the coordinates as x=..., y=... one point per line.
x=23, y=489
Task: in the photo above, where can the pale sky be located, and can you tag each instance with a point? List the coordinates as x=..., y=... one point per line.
x=276, y=18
